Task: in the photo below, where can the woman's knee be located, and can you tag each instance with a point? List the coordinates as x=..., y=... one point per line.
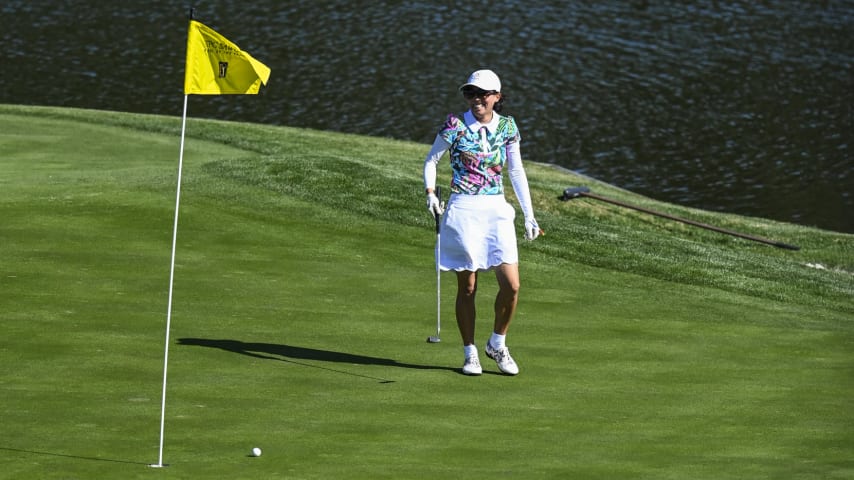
x=467, y=284
x=508, y=280
x=510, y=288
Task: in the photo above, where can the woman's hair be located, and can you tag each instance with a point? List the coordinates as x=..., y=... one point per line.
x=499, y=104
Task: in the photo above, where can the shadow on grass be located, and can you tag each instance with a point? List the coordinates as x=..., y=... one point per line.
x=290, y=354
x=78, y=457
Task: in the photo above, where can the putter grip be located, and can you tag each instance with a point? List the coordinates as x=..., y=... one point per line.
x=436, y=216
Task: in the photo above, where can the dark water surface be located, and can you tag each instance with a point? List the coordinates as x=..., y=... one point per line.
x=737, y=106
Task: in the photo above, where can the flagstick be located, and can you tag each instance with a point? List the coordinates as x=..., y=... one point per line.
x=171, y=283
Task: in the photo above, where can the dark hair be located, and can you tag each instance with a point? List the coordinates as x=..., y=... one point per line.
x=499, y=104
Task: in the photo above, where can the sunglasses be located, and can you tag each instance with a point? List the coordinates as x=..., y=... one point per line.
x=470, y=93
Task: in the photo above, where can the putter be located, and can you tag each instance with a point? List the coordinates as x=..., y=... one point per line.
x=436, y=338
x=575, y=192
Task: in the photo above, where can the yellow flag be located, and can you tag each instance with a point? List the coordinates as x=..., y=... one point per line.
x=216, y=66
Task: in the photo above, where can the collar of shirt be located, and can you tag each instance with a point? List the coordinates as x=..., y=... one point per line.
x=473, y=125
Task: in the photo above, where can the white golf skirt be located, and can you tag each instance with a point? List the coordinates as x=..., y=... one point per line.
x=477, y=233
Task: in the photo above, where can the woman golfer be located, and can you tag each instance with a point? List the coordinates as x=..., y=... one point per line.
x=477, y=228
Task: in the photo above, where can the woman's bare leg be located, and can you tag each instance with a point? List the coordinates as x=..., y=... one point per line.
x=508, y=294
x=465, y=306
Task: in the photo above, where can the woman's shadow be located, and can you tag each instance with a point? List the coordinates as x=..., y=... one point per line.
x=291, y=354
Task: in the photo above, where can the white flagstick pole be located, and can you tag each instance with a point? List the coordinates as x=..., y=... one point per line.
x=171, y=283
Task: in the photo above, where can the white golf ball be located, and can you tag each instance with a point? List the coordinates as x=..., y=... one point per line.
x=256, y=452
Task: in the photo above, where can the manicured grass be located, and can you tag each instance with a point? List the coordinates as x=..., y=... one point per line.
x=304, y=291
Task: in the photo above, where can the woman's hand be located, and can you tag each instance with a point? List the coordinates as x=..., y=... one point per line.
x=433, y=205
x=532, y=230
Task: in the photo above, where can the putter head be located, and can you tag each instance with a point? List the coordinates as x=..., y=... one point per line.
x=432, y=339
x=573, y=192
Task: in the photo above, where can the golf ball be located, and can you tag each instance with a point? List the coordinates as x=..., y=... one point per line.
x=256, y=452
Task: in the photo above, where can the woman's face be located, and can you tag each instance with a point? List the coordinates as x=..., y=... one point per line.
x=481, y=102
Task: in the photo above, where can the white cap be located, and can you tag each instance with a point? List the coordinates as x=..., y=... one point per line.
x=484, y=80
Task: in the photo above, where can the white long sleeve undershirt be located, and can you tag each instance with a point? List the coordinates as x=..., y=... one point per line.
x=519, y=179
x=440, y=146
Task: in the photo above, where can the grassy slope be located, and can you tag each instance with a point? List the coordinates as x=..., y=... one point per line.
x=304, y=291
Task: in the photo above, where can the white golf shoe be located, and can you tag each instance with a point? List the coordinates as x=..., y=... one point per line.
x=503, y=359
x=472, y=366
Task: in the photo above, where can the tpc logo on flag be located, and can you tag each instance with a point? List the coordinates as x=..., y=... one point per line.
x=216, y=66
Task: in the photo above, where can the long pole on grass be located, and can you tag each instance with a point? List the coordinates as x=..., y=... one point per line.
x=438, y=251
x=215, y=66
x=171, y=285
x=575, y=192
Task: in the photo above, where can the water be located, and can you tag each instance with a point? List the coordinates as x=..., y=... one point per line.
x=736, y=106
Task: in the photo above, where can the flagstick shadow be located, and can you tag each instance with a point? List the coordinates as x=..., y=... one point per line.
x=292, y=354
x=78, y=457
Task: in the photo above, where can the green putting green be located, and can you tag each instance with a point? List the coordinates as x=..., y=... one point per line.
x=304, y=292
